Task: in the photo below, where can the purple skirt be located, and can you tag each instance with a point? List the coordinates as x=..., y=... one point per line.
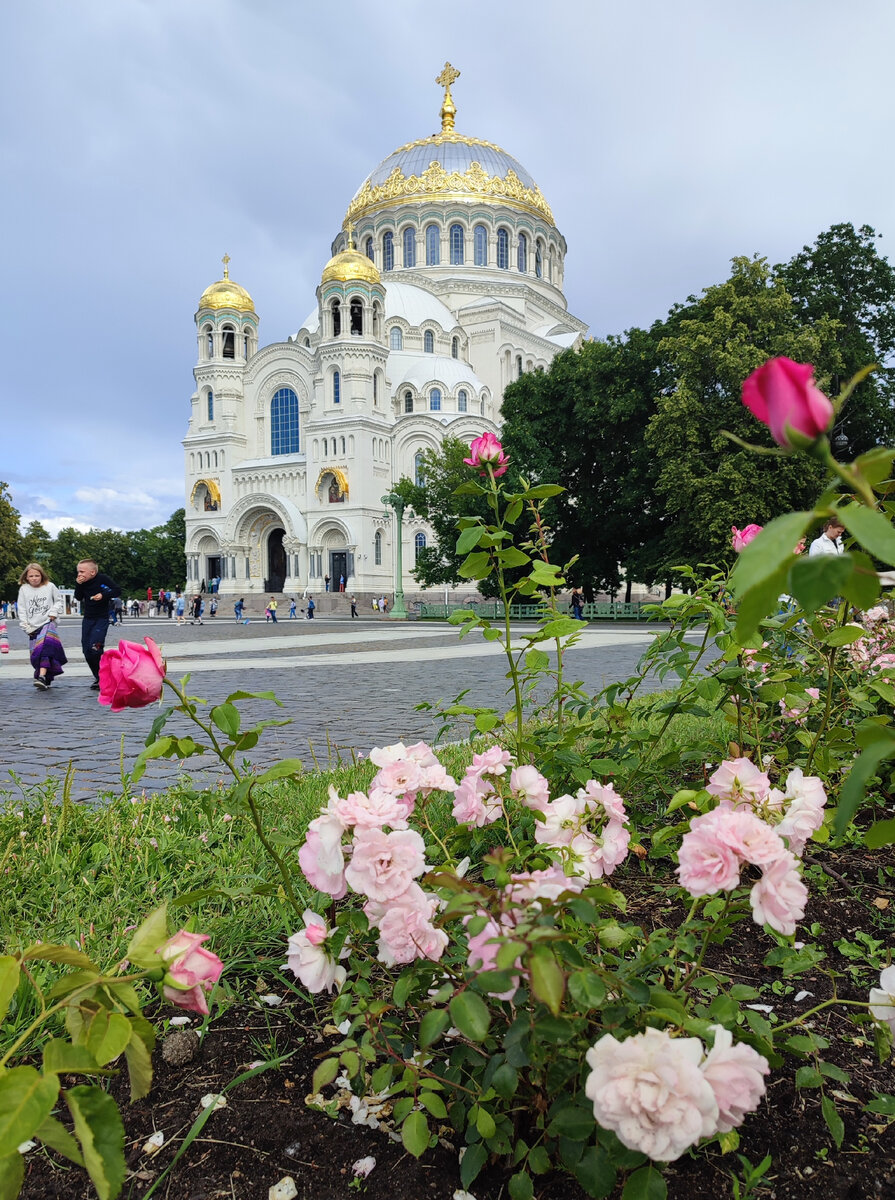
x=47, y=652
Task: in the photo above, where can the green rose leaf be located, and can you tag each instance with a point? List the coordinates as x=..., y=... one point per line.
x=862, y=587
x=543, y=491
x=872, y=531
x=100, y=1131
x=473, y=1160
x=760, y=601
x=548, y=981
x=106, y=1035
x=9, y=981
x=469, y=1013
x=521, y=1187
x=475, y=566
x=61, y=1057
x=881, y=833
x=152, y=933
x=432, y=1026
x=54, y=1134
x=226, y=717
x=282, y=769
x=325, y=1073
x=844, y=635
x=139, y=1066
x=815, y=581
x=470, y=538
x=415, y=1134
x=12, y=1174
x=766, y=554
x=648, y=1183
x=511, y=557
x=26, y=1100
x=59, y=954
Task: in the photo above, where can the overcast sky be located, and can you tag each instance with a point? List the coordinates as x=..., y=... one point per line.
x=143, y=139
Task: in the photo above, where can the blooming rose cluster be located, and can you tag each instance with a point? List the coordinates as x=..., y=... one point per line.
x=386, y=859
x=874, y=654
x=477, y=801
x=661, y=1094
x=749, y=826
x=588, y=828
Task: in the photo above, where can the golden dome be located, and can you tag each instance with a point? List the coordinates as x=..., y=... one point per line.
x=226, y=294
x=350, y=266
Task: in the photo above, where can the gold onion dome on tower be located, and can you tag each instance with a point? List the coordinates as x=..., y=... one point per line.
x=350, y=266
x=448, y=165
x=226, y=294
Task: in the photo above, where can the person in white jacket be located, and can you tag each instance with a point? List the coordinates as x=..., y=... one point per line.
x=830, y=541
x=40, y=604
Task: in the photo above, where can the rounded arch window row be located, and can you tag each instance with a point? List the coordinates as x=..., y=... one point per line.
x=206, y=460
x=429, y=337
x=356, y=316
x=333, y=447
x=465, y=243
x=437, y=399
x=230, y=340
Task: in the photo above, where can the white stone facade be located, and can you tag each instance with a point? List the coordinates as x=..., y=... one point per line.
x=292, y=446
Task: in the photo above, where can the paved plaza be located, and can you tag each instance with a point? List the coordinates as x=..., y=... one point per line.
x=344, y=685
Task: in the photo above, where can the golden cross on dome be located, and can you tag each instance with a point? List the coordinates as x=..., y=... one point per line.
x=448, y=76
x=349, y=229
x=226, y=261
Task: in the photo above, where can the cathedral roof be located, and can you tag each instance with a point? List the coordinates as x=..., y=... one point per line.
x=226, y=293
x=419, y=370
x=349, y=266
x=416, y=305
x=449, y=165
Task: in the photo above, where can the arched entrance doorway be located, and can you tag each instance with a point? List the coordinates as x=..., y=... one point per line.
x=276, y=561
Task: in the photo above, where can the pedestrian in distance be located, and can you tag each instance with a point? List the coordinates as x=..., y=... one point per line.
x=213, y=606
x=326, y=583
x=196, y=610
x=95, y=591
x=341, y=583
x=272, y=610
x=830, y=541
x=40, y=603
x=311, y=607
x=180, y=608
x=292, y=609
x=238, y=607
x=576, y=604
x=354, y=606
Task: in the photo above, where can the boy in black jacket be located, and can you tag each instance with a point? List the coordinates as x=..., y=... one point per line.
x=94, y=590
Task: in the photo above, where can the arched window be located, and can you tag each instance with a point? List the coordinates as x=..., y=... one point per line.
x=482, y=405
x=518, y=366
x=343, y=445
x=435, y=400
x=462, y=398
x=214, y=458
x=245, y=346
x=324, y=447
x=503, y=249
x=210, y=405
x=356, y=311
x=480, y=246
x=377, y=549
x=522, y=253
x=419, y=543
x=455, y=347
x=539, y=260
x=337, y=388
x=337, y=318
x=284, y=422
x=433, y=245
x=209, y=342
x=408, y=402
x=396, y=338
x=369, y=249
x=375, y=387
x=409, y=237
x=429, y=342
x=419, y=477
x=456, y=245
x=388, y=251
x=229, y=350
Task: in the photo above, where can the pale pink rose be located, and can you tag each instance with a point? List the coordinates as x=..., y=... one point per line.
x=399, y=777
x=190, y=971
x=530, y=787
x=321, y=857
x=493, y=761
x=604, y=795
x=131, y=676
x=562, y=821
x=405, y=927
x=308, y=962
x=706, y=864
x=483, y=948
x=381, y=756
x=594, y=856
x=782, y=395
x=742, y=537
x=780, y=896
x=751, y=839
x=383, y=865
x=422, y=755
x=484, y=450
x=737, y=780
x=735, y=1074
x=805, y=799
x=814, y=693
x=371, y=811
x=434, y=778
x=874, y=615
x=476, y=803
x=650, y=1092
x=882, y=999
x=547, y=884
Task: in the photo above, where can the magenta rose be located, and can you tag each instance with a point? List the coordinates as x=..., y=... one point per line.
x=191, y=972
x=131, y=676
x=782, y=395
x=742, y=537
x=487, y=450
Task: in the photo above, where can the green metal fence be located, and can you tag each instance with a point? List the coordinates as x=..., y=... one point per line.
x=606, y=611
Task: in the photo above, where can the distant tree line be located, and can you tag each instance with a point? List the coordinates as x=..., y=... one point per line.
x=631, y=425
x=136, y=559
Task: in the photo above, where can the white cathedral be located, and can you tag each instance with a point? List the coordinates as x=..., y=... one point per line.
x=444, y=286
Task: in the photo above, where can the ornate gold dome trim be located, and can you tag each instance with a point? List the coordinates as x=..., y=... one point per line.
x=213, y=490
x=474, y=181
x=349, y=267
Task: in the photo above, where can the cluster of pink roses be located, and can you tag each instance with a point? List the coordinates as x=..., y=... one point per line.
x=749, y=825
x=874, y=654
x=570, y=825
x=661, y=1094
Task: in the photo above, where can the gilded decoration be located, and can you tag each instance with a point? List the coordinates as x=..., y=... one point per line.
x=225, y=293
x=340, y=479
x=474, y=181
x=214, y=493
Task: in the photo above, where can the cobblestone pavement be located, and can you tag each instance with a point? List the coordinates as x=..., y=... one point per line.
x=343, y=684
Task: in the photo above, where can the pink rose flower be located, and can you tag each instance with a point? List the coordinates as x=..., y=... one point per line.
x=399, y=777
x=131, y=676
x=742, y=537
x=310, y=964
x=405, y=927
x=596, y=856
x=649, y=1090
x=735, y=1075
x=547, y=884
x=751, y=839
x=321, y=858
x=805, y=799
x=563, y=821
x=705, y=863
x=483, y=947
x=384, y=865
x=190, y=971
x=371, y=811
x=780, y=896
x=882, y=999
x=782, y=395
x=476, y=803
x=487, y=449
x=604, y=795
x=530, y=787
x=493, y=761
x=738, y=781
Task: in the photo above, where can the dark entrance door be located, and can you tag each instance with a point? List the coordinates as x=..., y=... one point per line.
x=213, y=568
x=338, y=560
x=276, y=562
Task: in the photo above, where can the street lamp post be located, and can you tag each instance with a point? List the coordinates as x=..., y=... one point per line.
x=393, y=500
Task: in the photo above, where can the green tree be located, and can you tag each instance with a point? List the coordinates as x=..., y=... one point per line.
x=37, y=543
x=843, y=277
x=11, y=551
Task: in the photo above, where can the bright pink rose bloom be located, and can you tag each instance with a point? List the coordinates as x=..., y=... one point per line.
x=783, y=396
x=780, y=896
x=384, y=865
x=308, y=962
x=190, y=971
x=130, y=676
x=321, y=858
x=487, y=449
x=483, y=948
x=530, y=787
x=735, y=1074
x=738, y=780
x=405, y=927
x=742, y=537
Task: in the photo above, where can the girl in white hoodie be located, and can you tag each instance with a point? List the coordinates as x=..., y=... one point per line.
x=40, y=604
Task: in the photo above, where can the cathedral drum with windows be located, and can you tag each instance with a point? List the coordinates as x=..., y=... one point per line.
x=444, y=286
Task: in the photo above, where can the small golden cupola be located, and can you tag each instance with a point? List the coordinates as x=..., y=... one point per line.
x=350, y=266
x=225, y=293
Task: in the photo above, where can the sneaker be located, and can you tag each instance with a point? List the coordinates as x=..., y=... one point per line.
x=94, y=687
x=40, y=682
